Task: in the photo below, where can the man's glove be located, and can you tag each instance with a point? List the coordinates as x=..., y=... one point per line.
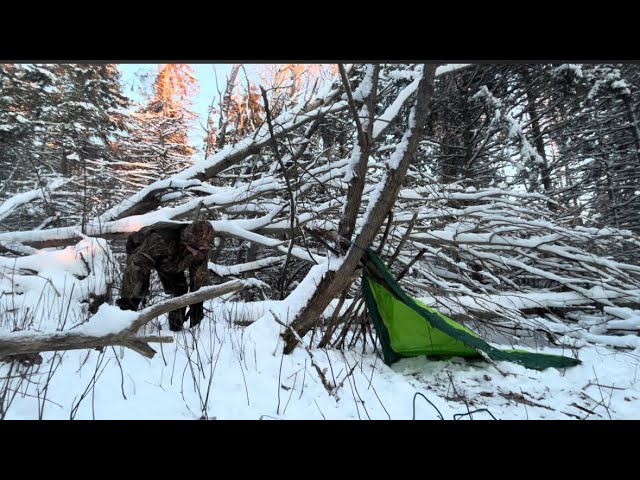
x=128, y=303
x=196, y=314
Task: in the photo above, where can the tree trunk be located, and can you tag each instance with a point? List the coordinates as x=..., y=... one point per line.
x=365, y=143
x=336, y=281
x=538, y=140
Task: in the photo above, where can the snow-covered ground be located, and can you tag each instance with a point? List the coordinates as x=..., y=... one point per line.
x=224, y=371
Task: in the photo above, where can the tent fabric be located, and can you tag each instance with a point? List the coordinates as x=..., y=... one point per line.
x=407, y=327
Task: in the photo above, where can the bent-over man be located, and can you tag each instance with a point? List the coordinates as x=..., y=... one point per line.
x=170, y=249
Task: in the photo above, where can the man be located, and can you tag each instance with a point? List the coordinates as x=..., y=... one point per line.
x=170, y=249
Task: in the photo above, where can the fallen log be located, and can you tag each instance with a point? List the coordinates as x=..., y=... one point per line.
x=104, y=331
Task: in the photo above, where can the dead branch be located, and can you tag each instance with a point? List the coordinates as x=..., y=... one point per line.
x=325, y=383
x=27, y=342
x=360, y=156
x=10, y=205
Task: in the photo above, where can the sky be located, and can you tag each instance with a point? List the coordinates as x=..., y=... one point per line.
x=207, y=91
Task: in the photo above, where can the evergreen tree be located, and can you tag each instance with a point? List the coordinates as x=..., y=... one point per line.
x=158, y=145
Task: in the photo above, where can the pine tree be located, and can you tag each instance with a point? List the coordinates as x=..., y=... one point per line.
x=63, y=120
x=26, y=98
x=158, y=145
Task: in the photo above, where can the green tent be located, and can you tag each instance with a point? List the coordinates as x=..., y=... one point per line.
x=407, y=327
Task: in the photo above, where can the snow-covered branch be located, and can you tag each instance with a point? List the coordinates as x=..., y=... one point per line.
x=111, y=326
x=10, y=205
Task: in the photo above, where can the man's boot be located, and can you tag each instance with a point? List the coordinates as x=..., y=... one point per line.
x=128, y=303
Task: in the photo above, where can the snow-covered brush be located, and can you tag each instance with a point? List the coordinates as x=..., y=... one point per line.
x=58, y=289
x=59, y=300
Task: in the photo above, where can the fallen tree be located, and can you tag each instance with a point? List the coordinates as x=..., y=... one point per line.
x=111, y=327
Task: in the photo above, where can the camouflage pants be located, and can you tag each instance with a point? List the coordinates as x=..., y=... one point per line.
x=135, y=285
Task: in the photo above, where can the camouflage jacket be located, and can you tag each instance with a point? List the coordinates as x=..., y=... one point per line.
x=160, y=243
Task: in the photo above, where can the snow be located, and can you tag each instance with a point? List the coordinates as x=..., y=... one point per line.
x=364, y=89
x=629, y=319
x=144, y=193
x=232, y=366
x=51, y=289
x=20, y=199
x=390, y=113
x=451, y=67
x=226, y=270
x=240, y=373
x=353, y=162
x=610, y=77
x=108, y=319
x=224, y=370
x=568, y=67
x=398, y=153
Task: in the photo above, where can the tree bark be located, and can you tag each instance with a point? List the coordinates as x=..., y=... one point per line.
x=538, y=140
x=365, y=143
x=335, y=281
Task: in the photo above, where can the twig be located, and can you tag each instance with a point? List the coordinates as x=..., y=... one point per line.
x=380, y=401
x=385, y=235
x=347, y=375
x=410, y=264
x=403, y=240
x=279, y=380
x=322, y=376
x=291, y=393
x=304, y=376
x=292, y=202
x=323, y=417
x=430, y=403
x=601, y=394
x=333, y=376
x=352, y=381
x=91, y=385
x=121, y=373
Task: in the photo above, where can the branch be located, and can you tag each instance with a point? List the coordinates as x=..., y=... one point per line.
x=49, y=342
x=359, y=156
x=205, y=293
x=8, y=206
x=323, y=378
x=352, y=103
x=95, y=334
x=225, y=158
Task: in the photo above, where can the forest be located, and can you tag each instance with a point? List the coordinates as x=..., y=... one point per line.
x=506, y=196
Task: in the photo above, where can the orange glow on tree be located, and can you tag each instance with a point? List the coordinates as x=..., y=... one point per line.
x=173, y=89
